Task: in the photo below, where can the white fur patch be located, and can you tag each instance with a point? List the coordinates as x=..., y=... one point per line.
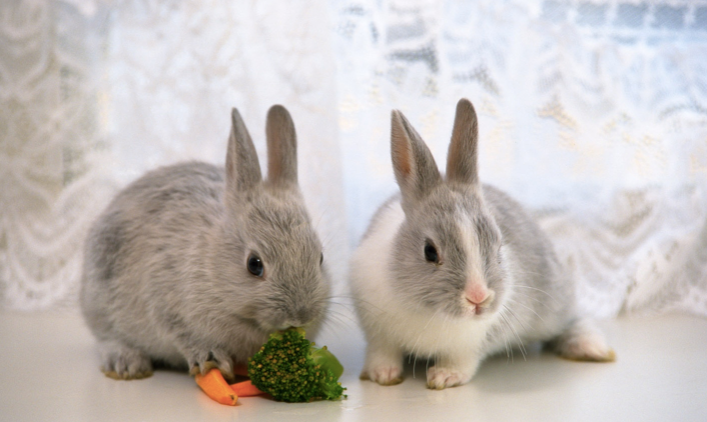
x=471, y=245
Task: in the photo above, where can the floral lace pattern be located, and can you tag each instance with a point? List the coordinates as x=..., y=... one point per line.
x=592, y=114
x=99, y=93
x=51, y=149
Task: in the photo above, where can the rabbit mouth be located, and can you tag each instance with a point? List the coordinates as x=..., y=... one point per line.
x=295, y=323
x=477, y=305
x=475, y=311
x=274, y=326
x=287, y=326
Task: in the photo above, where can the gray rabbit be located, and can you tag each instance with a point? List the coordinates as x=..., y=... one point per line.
x=193, y=265
x=455, y=270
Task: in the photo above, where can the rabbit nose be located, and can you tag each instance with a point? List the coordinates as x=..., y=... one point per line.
x=305, y=316
x=299, y=318
x=478, y=295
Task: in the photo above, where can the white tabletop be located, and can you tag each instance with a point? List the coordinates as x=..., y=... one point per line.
x=51, y=374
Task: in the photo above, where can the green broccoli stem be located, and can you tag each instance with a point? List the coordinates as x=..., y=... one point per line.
x=320, y=355
x=327, y=361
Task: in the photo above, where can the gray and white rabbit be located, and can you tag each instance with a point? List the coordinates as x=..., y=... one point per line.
x=455, y=270
x=193, y=265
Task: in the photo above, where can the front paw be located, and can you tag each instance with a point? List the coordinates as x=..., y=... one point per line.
x=122, y=362
x=202, y=361
x=384, y=374
x=439, y=378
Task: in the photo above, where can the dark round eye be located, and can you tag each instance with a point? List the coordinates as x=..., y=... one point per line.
x=321, y=259
x=431, y=253
x=255, y=266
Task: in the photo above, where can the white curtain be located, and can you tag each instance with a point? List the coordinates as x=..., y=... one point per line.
x=592, y=113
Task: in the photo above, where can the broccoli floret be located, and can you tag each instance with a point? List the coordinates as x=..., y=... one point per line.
x=291, y=369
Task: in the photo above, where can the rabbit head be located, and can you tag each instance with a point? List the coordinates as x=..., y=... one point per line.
x=269, y=261
x=448, y=254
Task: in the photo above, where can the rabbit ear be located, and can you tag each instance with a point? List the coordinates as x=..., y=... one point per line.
x=282, y=147
x=414, y=165
x=462, y=157
x=242, y=166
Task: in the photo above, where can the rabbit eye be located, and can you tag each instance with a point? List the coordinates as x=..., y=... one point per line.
x=431, y=253
x=321, y=259
x=255, y=265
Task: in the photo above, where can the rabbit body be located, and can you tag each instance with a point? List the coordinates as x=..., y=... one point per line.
x=167, y=274
x=456, y=271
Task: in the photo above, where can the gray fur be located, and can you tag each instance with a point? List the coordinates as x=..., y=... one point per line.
x=242, y=166
x=463, y=155
x=282, y=147
x=414, y=165
x=165, y=276
x=500, y=225
x=497, y=221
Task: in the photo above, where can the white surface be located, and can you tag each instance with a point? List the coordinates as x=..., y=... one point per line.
x=51, y=373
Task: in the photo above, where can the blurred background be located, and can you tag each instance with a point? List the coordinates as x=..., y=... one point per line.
x=592, y=113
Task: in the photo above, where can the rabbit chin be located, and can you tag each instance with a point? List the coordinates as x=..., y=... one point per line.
x=274, y=326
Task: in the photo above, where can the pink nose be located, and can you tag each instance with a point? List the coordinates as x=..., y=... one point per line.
x=476, y=295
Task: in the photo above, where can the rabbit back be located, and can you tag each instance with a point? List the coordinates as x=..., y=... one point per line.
x=144, y=251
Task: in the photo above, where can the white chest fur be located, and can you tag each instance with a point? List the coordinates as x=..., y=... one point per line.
x=386, y=318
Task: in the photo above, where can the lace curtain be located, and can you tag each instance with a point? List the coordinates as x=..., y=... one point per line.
x=592, y=113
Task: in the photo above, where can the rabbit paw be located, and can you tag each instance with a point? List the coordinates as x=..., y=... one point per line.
x=584, y=342
x=439, y=378
x=384, y=374
x=202, y=361
x=124, y=363
x=587, y=350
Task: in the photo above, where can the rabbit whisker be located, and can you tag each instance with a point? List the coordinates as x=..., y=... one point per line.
x=520, y=343
x=528, y=308
x=535, y=288
x=522, y=325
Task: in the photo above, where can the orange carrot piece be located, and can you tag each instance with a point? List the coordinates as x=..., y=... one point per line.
x=246, y=389
x=216, y=387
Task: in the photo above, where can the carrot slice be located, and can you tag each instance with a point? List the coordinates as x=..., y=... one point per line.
x=216, y=387
x=246, y=389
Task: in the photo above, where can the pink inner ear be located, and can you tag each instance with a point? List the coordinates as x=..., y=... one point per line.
x=403, y=158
